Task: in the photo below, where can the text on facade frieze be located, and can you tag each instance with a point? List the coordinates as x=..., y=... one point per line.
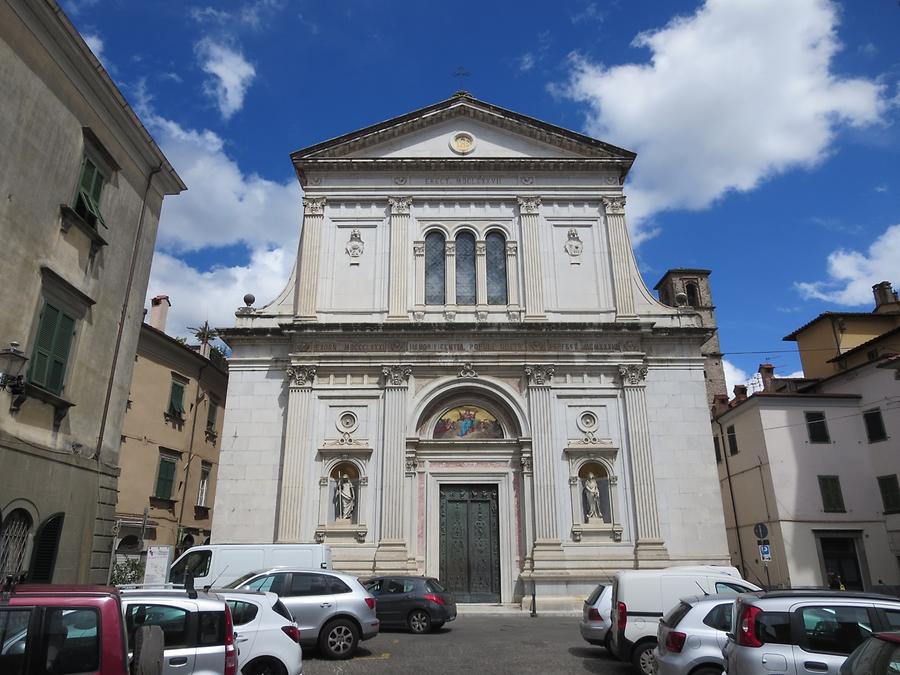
x=469, y=346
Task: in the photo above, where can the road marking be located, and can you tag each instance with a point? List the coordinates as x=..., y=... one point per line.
x=384, y=656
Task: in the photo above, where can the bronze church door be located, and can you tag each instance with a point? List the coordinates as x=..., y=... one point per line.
x=470, y=542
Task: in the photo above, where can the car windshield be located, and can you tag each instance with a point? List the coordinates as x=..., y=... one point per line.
x=237, y=583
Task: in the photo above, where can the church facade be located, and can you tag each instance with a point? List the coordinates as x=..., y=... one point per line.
x=466, y=376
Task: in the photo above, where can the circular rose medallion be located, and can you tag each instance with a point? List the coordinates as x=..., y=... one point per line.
x=462, y=143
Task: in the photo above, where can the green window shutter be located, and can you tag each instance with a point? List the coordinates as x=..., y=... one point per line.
x=211, y=413
x=165, y=478
x=59, y=357
x=90, y=185
x=43, y=345
x=88, y=172
x=176, y=399
x=832, y=497
x=890, y=493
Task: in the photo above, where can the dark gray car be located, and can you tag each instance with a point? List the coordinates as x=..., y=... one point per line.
x=421, y=604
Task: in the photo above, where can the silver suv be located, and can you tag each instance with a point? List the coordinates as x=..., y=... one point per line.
x=333, y=610
x=804, y=631
x=691, y=636
x=198, y=634
x=596, y=616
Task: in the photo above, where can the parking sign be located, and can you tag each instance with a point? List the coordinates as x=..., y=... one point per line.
x=765, y=552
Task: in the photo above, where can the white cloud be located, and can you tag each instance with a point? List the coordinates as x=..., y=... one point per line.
x=796, y=374
x=851, y=274
x=214, y=295
x=74, y=7
x=526, y=62
x=95, y=42
x=733, y=376
x=728, y=98
x=230, y=75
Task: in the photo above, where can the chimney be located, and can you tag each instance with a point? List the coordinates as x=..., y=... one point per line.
x=886, y=300
x=720, y=404
x=740, y=393
x=159, y=310
x=767, y=374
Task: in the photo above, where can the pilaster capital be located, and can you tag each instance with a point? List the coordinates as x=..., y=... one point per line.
x=614, y=205
x=450, y=248
x=633, y=374
x=539, y=374
x=480, y=247
x=301, y=375
x=313, y=206
x=396, y=375
x=419, y=248
x=400, y=205
x=512, y=247
x=529, y=205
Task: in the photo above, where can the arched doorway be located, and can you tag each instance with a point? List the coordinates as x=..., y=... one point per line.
x=470, y=493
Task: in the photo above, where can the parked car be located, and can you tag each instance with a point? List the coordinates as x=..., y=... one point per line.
x=596, y=616
x=333, y=610
x=421, y=604
x=266, y=635
x=640, y=597
x=692, y=634
x=62, y=629
x=804, y=631
x=198, y=632
x=220, y=564
x=879, y=655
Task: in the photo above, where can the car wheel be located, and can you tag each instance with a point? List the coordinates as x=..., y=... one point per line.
x=264, y=667
x=643, y=659
x=338, y=639
x=418, y=621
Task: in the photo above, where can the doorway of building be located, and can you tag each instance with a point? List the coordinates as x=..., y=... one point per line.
x=841, y=563
x=470, y=542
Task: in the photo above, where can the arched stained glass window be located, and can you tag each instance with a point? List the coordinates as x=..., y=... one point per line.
x=435, y=269
x=496, y=269
x=465, y=269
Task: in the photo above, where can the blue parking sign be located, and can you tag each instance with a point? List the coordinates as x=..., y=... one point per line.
x=765, y=553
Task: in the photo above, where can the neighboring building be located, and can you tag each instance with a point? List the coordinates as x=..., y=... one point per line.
x=82, y=187
x=170, y=441
x=817, y=461
x=466, y=376
x=690, y=287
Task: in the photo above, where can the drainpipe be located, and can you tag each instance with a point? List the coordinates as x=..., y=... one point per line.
x=187, y=467
x=737, y=529
x=128, y=285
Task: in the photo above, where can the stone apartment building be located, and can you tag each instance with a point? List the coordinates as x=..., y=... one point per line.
x=817, y=459
x=170, y=441
x=83, y=184
x=466, y=376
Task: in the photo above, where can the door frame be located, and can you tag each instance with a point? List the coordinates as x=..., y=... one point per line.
x=859, y=545
x=507, y=506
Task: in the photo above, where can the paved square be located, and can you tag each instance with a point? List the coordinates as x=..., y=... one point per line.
x=478, y=645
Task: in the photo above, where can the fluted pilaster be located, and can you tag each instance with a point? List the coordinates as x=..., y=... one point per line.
x=620, y=252
x=399, y=228
x=638, y=426
x=393, y=450
x=512, y=274
x=308, y=263
x=540, y=403
x=297, y=449
x=529, y=218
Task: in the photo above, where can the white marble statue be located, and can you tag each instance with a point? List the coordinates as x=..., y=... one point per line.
x=344, y=498
x=591, y=491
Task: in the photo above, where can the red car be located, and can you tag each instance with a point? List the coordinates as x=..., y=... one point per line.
x=61, y=629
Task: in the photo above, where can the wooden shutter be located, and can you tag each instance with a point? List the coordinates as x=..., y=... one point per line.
x=176, y=398
x=46, y=545
x=165, y=478
x=59, y=357
x=43, y=345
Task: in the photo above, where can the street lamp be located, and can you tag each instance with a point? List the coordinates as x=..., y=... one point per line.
x=12, y=362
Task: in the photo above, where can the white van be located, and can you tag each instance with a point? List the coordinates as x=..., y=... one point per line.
x=641, y=597
x=220, y=564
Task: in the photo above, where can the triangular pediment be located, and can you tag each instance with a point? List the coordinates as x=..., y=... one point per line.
x=463, y=127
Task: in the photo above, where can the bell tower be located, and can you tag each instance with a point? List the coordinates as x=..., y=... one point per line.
x=689, y=288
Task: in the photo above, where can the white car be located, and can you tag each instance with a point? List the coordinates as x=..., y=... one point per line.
x=266, y=634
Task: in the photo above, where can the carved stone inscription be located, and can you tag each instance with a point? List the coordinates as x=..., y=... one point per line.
x=469, y=346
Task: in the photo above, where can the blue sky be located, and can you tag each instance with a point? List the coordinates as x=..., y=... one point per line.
x=765, y=130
